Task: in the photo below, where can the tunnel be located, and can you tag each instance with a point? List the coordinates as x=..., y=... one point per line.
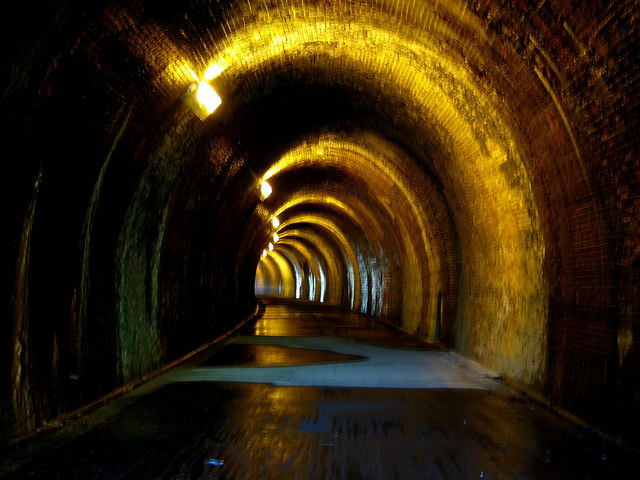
x=464, y=171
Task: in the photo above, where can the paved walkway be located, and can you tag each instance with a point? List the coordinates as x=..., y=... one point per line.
x=371, y=366
x=313, y=392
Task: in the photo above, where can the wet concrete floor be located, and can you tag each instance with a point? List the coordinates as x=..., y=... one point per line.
x=284, y=399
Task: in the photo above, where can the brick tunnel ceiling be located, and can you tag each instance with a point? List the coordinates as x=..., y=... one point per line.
x=434, y=164
x=390, y=138
x=397, y=144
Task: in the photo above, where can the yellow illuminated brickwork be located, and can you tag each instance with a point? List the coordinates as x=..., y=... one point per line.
x=465, y=170
x=485, y=184
x=480, y=189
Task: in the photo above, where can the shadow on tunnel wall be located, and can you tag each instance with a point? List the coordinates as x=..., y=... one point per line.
x=485, y=151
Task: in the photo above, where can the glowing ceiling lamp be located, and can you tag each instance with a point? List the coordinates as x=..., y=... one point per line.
x=264, y=253
x=275, y=222
x=265, y=190
x=270, y=247
x=202, y=99
x=276, y=237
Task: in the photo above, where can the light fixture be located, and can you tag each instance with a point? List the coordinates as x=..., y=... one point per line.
x=265, y=190
x=276, y=237
x=275, y=222
x=202, y=99
x=270, y=247
x=264, y=253
x=208, y=97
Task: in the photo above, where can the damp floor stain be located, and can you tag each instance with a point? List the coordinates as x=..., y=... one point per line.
x=261, y=355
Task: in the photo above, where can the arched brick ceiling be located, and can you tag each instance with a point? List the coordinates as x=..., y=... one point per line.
x=413, y=104
x=479, y=153
x=451, y=112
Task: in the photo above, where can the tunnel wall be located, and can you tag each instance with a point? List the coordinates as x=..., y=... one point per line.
x=99, y=288
x=578, y=97
x=131, y=226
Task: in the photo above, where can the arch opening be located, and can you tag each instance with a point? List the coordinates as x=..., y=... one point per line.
x=464, y=171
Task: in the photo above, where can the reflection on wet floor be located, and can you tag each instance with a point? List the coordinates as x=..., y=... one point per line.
x=174, y=428
x=308, y=320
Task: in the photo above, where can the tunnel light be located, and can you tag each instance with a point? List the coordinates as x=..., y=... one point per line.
x=276, y=237
x=270, y=247
x=264, y=253
x=202, y=99
x=208, y=97
x=275, y=222
x=265, y=189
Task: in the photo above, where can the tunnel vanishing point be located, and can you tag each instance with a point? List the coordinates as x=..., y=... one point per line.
x=468, y=171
